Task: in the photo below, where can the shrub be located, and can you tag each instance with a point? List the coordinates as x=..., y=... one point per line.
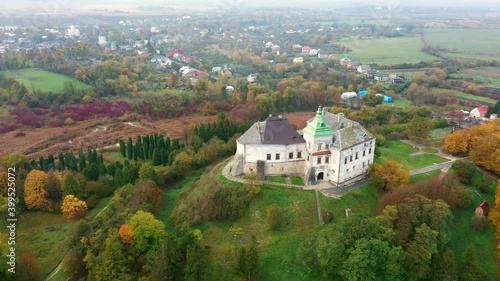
x=479, y=223
x=20, y=134
x=465, y=171
x=275, y=217
x=226, y=204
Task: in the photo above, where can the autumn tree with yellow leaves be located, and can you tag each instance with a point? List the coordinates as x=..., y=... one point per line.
x=72, y=207
x=481, y=142
x=389, y=175
x=34, y=191
x=494, y=217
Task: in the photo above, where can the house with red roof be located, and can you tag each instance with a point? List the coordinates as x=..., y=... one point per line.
x=482, y=209
x=478, y=112
x=306, y=49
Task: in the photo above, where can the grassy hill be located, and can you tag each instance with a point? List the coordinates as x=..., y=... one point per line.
x=43, y=80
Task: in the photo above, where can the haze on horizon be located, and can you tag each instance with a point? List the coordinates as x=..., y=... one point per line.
x=75, y=4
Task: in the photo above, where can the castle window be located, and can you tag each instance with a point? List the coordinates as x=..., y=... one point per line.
x=345, y=160
x=319, y=160
x=319, y=146
x=299, y=154
x=368, y=162
x=350, y=158
x=327, y=159
x=327, y=146
x=290, y=155
x=370, y=151
x=364, y=152
x=356, y=156
x=277, y=156
x=363, y=164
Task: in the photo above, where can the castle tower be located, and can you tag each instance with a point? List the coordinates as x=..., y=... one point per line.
x=319, y=138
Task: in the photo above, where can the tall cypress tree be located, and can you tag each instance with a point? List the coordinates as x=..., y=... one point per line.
x=123, y=149
x=130, y=148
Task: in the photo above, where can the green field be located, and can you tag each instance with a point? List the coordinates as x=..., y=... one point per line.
x=387, y=51
x=485, y=41
x=436, y=138
x=400, y=152
x=487, y=75
x=43, y=80
x=470, y=56
x=420, y=177
x=401, y=103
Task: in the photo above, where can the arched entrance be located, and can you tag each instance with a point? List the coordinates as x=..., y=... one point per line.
x=321, y=175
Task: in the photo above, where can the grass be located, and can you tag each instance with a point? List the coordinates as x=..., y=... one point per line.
x=46, y=236
x=486, y=75
x=276, y=179
x=297, y=180
x=466, y=96
x=363, y=200
x=399, y=152
x=463, y=234
x=60, y=276
x=421, y=177
x=116, y=155
x=401, y=103
x=43, y=80
x=464, y=39
x=429, y=150
x=436, y=137
x=387, y=51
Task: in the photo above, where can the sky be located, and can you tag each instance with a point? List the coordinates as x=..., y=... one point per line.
x=47, y=4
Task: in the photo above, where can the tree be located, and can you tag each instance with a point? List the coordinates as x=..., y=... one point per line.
x=123, y=149
x=30, y=265
x=126, y=233
x=147, y=231
x=275, y=217
x=195, y=263
x=252, y=259
x=419, y=128
x=465, y=171
x=14, y=160
x=389, y=175
x=71, y=186
x=34, y=191
x=72, y=207
x=166, y=261
x=52, y=186
x=147, y=172
x=68, y=121
x=470, y=269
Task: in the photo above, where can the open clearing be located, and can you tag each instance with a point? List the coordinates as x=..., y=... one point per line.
x=387, y=51
x=43, y=80
x=474, y=41
x=400, y=153
x=490, y=76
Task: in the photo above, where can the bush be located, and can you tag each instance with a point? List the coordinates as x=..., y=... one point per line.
x=465, y=171
x=275, y=217
x=20, y=134
x=226, y=204
x=479, y=223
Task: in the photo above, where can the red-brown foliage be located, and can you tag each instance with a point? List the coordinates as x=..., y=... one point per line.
x=20, y=134
x=434, y=188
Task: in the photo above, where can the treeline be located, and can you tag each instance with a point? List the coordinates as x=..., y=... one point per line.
x=150, y=147
x=482, y=143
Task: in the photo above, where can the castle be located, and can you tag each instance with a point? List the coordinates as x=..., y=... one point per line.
x=330, y=148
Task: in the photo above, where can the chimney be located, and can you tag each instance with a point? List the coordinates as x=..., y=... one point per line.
x=325, y=110
x=280, y=116
x=270, y=115
x=258, y=126
x=339, y=117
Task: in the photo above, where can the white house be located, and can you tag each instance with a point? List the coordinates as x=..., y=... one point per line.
x=298, y=60
x=330, y=148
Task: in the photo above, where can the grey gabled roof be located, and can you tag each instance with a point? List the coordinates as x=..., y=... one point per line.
x=274, y=130
x=346, y=132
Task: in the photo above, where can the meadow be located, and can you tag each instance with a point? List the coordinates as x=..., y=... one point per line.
x=387, y=51
x=43, y=80
x=485, y=41
x=466, y=96
x=400, y=152
x=490, y=76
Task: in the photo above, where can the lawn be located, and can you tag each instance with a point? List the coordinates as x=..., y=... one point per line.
x=484, y=41
x=399, y=152
x=43, y=80
x=487, y=75
x=463, y=234
x=429, y=150
x=436, y=138
x=420, y=177
x=296, y=180
x=276, y=179
x=400, y=103
x=387, y=51
x=116, y=155
x=363, y=200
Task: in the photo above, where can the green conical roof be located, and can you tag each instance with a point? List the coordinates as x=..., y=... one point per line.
x=317, y=127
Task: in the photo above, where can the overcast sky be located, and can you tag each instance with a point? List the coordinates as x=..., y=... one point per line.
x=47, y=4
